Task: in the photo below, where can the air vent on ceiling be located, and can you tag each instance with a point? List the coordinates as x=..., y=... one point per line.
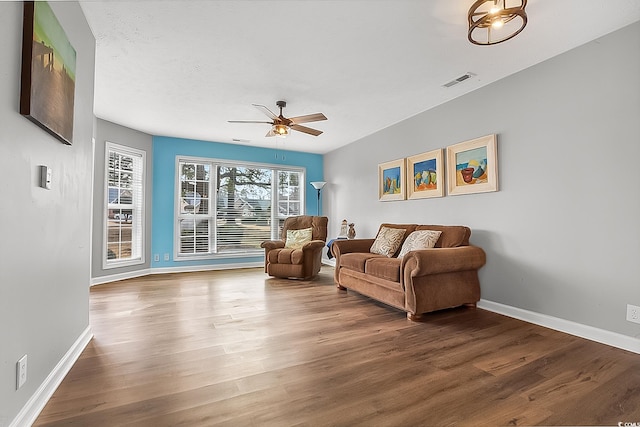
x=459, y=80
x=241, y=140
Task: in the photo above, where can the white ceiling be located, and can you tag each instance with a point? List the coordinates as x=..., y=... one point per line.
x=184, y=68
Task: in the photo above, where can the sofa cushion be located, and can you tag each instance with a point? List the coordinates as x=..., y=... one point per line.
x=297, y=238
x=387, y=241
x=384, y=268
x=420, y=239
x=452, y=235
x=357, y=260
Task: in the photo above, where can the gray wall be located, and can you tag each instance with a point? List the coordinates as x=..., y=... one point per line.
x=46, y=234
x=562, y=235
x=107, y=131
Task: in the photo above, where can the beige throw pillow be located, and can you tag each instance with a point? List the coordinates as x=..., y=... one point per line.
x=297, y=238
x=388, y=241
x=421, y=239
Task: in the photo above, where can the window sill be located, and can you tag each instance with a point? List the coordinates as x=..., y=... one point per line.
x=125, y=263
x=225, y=255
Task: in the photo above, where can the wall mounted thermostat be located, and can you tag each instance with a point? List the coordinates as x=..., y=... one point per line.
x=45, y=177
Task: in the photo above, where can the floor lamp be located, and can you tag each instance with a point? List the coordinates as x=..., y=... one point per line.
x=318, y=186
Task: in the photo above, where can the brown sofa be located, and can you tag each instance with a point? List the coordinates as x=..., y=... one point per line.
x=423, y=280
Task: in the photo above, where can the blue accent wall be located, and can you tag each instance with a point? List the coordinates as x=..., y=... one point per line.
x=165, y=150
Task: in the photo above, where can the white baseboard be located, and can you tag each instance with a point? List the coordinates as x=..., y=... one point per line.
x=30, y=411
x=182, y=269
x=193, y=268
x=583, y=331
x=120, y=276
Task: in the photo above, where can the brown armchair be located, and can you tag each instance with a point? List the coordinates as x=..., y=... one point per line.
x=303, y=263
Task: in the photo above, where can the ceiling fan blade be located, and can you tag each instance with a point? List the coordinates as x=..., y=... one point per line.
x=266, y=111
x=308, y=118
x=305, y=129
x=248, y=121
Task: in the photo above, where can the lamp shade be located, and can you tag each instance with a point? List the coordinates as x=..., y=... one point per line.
x=318, y=184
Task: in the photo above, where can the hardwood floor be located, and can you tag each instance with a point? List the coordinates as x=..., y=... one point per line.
x=238, y=348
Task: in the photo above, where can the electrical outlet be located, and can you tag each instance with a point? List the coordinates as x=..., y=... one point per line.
x=156, y=257
x=166, y=257
x=633, y=313
x=21, y=372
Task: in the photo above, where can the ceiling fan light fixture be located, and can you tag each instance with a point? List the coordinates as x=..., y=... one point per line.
x=496, y=21
x=282, y=126
x=280, y=130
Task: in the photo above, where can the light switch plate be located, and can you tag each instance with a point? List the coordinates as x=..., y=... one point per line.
x=45, y=177
x=21, y=372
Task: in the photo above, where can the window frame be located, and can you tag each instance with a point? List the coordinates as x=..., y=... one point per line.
x=215, y=164
x=138, y=208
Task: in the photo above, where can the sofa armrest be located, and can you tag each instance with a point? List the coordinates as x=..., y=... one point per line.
x=272, y=244
x=341, y=247
x=441, y=277
x=346, y=246
x=443, y=260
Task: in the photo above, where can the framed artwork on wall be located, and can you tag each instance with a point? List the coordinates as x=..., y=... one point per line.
x=472, y=166
x=48, y=72
x=391, y=180
x=425, y=173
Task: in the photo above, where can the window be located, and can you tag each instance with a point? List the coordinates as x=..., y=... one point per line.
x=228, y=209
x=124, y=194
x=289, y=201
x=195, y=213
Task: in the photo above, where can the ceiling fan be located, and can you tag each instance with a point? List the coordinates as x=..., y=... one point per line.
x=281, y=125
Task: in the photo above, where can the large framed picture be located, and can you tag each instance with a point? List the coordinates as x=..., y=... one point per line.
x=48, y=72
x=425, y=175
x=472, y=166
x=391, y=180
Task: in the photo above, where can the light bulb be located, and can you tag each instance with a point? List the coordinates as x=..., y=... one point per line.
x=495, y=8
x=281, y=130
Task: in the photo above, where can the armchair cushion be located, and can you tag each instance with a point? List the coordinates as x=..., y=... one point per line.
x=297, y=238
x=285, y=256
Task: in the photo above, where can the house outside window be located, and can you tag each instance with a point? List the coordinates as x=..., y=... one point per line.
x=228, y=209
x=124, y=202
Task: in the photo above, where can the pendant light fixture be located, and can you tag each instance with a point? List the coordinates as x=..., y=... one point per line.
x=495, y=21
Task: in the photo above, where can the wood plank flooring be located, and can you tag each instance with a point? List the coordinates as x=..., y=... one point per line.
x=237, y=348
